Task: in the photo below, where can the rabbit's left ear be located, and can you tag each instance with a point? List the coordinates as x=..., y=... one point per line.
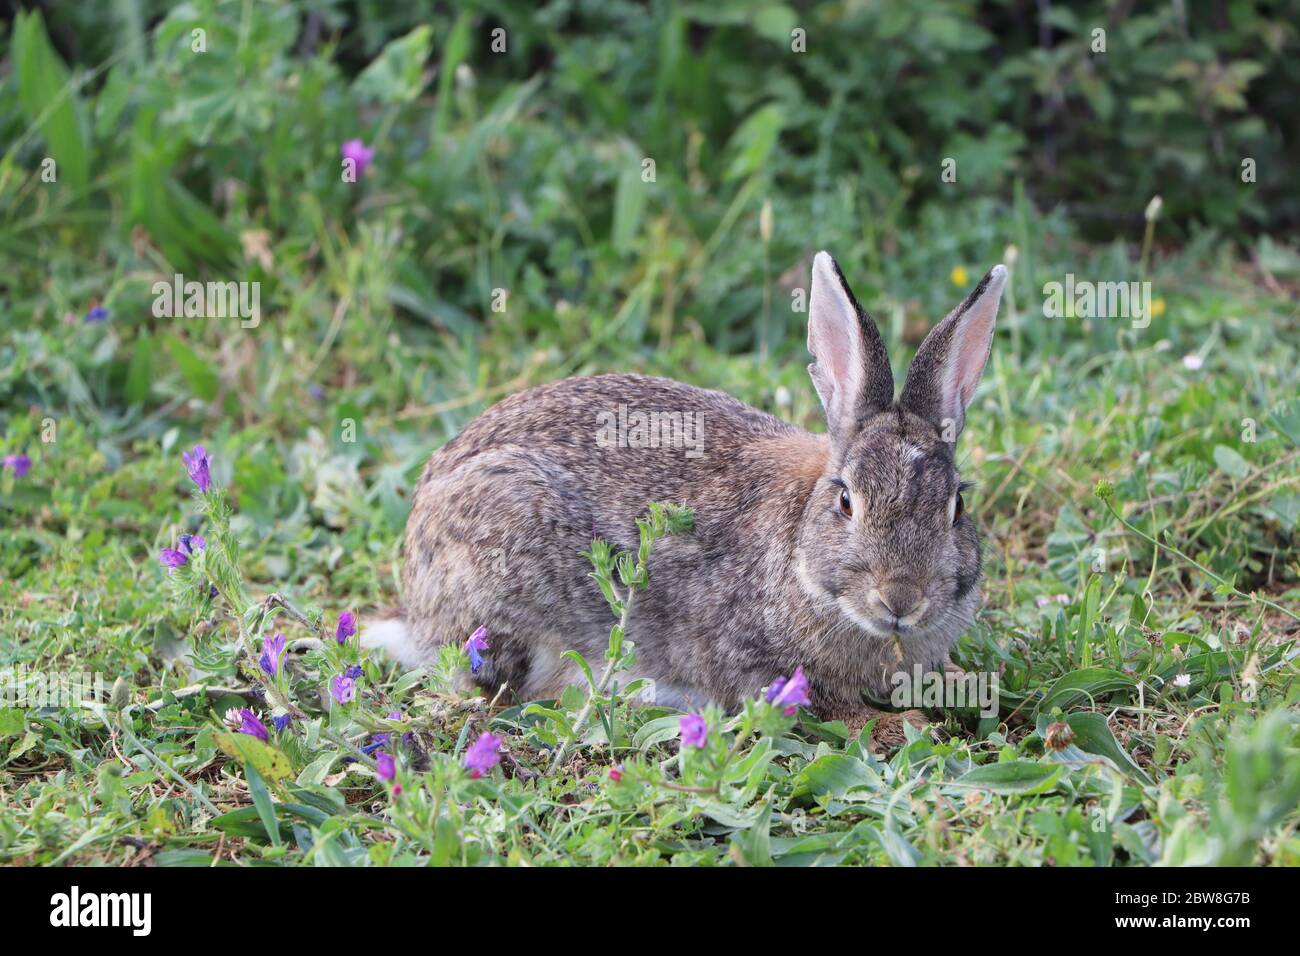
x=949, y=363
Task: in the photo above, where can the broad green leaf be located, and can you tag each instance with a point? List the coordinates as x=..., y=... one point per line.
x=316, y=771
x=397, y=74
x=1093, y=735
x=1014, y=776
x=265, y=759
x=834, y=774
x=1230, y=462
x=1285, y=417
x=1085, y=684
x=657, y=731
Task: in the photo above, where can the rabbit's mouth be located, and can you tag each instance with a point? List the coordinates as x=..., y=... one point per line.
x=886, y=624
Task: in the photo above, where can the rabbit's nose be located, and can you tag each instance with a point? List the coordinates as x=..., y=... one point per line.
x=902, y=601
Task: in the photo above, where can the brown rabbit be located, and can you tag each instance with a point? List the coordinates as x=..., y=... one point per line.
x=848, y=554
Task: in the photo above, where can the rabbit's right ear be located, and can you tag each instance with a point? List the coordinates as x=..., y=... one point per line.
x=851, y=373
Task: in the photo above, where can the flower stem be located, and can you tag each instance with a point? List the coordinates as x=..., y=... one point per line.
x=598, y=691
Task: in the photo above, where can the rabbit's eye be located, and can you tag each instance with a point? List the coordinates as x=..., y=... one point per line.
x=846, y=503
x=957, y=507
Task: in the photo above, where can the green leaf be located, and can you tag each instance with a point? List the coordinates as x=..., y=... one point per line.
x=657, y=731
x=397, y=74
x=1014, y=776
x=139, y=375
x=1285, y=417
x=1086, y=684
x=454, y=52
x=12, y=723
x=755, y=844
x=629, y=207
x=49, y=101
x=265, y=759
x=247, y=822
x=262, y=801
x=318, y=769
x=1092, y=735
x=1230, y=462
x=198, y=374
x=732, y=816
x=586, y=668
x=753, y=142
x=834, y=774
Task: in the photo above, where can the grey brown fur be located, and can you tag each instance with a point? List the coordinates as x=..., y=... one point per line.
x=773, y=575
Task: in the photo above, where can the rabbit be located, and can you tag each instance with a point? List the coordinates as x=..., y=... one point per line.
x=849, y=554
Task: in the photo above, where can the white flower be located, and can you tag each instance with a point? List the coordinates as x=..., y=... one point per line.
x=1192, y=362
x=1183, y=680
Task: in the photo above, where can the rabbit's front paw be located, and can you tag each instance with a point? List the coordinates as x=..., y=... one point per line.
x=887, y=733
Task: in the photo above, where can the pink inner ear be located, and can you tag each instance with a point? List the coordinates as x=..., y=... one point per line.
x=974, y=338
x=834, y=337
x=834, y=349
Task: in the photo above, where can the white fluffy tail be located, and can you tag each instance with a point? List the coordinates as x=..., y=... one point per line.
x=391, y=636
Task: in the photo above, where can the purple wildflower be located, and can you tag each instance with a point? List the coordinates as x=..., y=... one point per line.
x=272, y=652
x=173, y=558
x=360, y=154
x=355, y=671
x=482, y=755
x=20, y=465
x=249, y=724
x=477, y=642
x=189, y=543
x=694, y=731
x=386, y=767
x=281, y=722
x=347, y=626
x=789, y=693
x=382, y=739
x=343, y=688
x=196, y=463
x=97, y=314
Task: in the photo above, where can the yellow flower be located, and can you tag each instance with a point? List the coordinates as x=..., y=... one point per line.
x=958, y=276
x=1157, y=308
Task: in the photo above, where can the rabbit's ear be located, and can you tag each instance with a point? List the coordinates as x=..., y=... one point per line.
x=949, y=363
x=851, y=373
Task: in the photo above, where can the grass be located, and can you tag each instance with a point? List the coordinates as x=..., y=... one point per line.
x=1158, y=622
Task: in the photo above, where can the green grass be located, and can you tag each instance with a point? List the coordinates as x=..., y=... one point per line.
x=1181, y=691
